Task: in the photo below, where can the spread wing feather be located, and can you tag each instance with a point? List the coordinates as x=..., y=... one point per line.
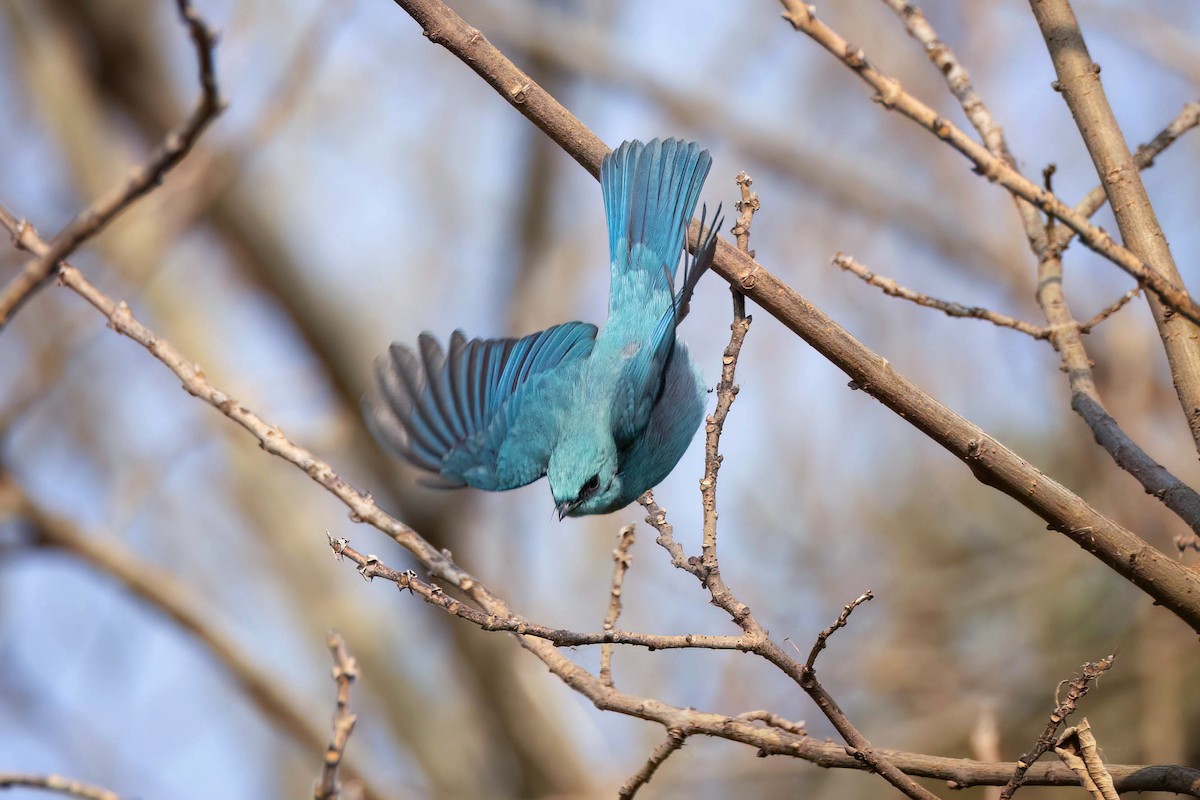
x=448, y=412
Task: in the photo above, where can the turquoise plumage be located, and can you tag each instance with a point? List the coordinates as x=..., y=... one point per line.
x=604, y=415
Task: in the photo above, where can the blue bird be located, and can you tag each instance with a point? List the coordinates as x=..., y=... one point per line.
x=604, y=415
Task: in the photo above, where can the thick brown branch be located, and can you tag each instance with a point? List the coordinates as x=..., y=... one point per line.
x=1079, y=82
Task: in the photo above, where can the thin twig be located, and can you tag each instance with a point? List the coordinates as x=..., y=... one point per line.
x=891, y=287
x=1107, y=312
x=1048, y=242
x=857, y=745
x=370, y=567
x=57, y=784
x=656, y=517
x=775, y=721
x=145, y=178
x=1076, y=689
x=727, y=391
x=621, y=561
x=674, y=741
x=345, y=671
x=823, y=637
x=891, y=95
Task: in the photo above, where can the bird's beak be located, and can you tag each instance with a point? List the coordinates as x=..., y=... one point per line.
x=566, y=507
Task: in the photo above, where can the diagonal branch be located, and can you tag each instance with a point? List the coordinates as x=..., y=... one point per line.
x=57, y=784
x=1076, y=689
x=1079, y=82
x=674, y=741
x=177, y=144
x=1063, y=330
x=768, y=739
x=892, y=96
x=1168, y=582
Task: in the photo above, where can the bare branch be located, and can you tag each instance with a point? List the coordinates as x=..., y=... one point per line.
x=1076, y=689
x=57, y=784
x=823, y=637
x=177, y=144
x=893, y=97
x=1081, y=88
x=727, y=391
x=890, y=287
x=345, y=671
x=621, y=560
x=370, y=567
x=858, y=745
x=674, y=741
x=775, y=721
x=1111, y=309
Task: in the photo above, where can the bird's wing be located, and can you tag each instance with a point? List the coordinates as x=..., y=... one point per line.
x=650, y=193
x=643, y=381
x=451, y=413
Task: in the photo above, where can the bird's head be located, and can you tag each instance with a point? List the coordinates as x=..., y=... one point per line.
x=583, y=476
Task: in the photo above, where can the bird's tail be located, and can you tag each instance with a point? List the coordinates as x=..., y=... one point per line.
x=650, y=194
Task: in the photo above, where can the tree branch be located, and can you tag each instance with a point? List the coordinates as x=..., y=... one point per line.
x=889, y=287
x=1079, y=82
x=1168, y=582
x=893, y=97
x=675, y=740
x=177, y=144
x=621, y=560
x=1077, y=688
x=345, y=672
x=56, y=784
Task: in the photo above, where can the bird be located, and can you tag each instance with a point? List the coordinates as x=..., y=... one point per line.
x=604, y=414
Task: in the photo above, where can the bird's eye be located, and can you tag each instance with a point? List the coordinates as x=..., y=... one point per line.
x=593, y=483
